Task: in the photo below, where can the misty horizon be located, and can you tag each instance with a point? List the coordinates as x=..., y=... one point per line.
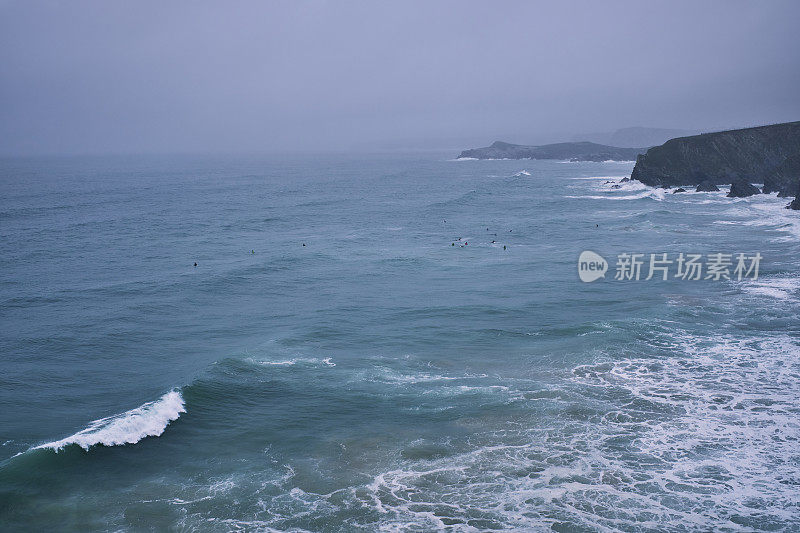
x=349, y=266
x=98, y=78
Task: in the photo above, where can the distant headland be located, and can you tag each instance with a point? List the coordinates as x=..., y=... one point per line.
x=763, y=154
x=572, y=151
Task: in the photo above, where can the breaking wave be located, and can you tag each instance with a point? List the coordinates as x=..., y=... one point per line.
x=617, y=190
x=764, y=211
x=655, y=194
x=147, y=420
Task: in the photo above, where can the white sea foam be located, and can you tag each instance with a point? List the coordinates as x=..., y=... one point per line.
x=764, y=211
x=713, y=198
x=615, y=190
x=312, y=361
x=628, y=186
x=700, y=438
x=606, y=161
x=147, y=420
x=608, y=178
x=522, y=173
x=381, y=374
x=486, y=159
x=731, y=420
x=655, y=194
x=774, y=213
x=782, y=288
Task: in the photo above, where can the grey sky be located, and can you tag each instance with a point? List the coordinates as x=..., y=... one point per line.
x=141, y=76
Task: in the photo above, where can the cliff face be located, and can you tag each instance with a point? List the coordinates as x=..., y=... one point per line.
x=577, y=151
x=766, y=154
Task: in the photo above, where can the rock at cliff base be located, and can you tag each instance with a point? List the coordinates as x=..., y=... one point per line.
x=707, y=186
x=679, y=189
x=796, y=202
x=742, y=189
x=790, y=190
x=784, y=178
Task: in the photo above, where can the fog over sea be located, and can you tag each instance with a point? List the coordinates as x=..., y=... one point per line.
x=387, y=342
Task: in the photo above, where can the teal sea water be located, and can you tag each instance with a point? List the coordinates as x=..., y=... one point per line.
x=380, y=378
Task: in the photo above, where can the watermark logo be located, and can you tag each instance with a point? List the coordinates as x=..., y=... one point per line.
x=591, y=266
x=662, y=266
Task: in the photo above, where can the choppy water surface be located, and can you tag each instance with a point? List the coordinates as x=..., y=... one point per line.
x=399, y=372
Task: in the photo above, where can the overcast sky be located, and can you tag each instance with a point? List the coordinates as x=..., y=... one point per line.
x=258, y=76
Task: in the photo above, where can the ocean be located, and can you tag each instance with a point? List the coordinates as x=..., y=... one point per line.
x=388, y=342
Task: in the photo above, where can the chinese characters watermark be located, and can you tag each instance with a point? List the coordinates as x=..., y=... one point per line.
x=663, y=266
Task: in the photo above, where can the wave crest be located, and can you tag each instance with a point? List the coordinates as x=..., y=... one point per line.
x=147, y=420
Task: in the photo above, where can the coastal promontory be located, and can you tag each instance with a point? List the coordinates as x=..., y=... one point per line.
x=764, y=154
x=572, y=151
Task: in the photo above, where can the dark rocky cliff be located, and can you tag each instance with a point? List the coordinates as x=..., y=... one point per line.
x=575, y=151
x=766, y=154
